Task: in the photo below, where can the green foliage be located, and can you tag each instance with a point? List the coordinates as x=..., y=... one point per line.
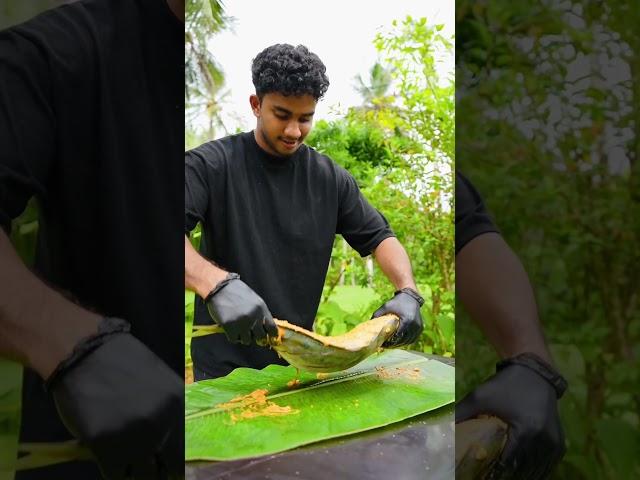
x=426, y=102
x=567, y=209
x=401, y=153
x=203, y=18
x=357, y=145
x=420, y=222
x=375, y=92
x=345, y=307
x=204, y=77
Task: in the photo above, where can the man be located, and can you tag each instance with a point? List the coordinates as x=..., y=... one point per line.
x=270, y=208
x=91, y=122
x=495, y=290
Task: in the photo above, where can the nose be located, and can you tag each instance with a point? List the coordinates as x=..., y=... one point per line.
x=292, y=130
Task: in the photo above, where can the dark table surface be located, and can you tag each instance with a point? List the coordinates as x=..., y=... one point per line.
x=418, y=448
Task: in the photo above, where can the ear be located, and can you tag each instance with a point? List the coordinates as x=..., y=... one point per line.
x=255, y=105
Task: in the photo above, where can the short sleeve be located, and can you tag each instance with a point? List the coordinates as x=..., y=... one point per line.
x=196, y=190
x=472, y=217
x=361, y=225
x=27, y=125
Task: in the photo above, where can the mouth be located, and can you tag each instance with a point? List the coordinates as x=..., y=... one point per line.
x=288, y=144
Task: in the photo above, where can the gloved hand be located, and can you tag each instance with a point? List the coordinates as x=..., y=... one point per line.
x=240, y=311
x=123, y=403
x=528, y=403
x=406, y=305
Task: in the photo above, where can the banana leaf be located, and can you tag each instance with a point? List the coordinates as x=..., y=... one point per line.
x=385, y=388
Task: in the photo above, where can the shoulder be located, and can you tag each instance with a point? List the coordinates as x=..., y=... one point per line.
x=325, y=166
x=219, y=152
x=74, y=36
x=64, y=29
x=472, y=217
x=468, y=199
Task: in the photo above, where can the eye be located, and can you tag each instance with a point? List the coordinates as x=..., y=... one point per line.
x=305, y=120
x=281, y=116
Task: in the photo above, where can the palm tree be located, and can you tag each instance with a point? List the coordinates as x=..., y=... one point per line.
x=204, y=77
x=374, y=93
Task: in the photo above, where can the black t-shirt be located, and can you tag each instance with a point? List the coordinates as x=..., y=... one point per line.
x=472, y=217
x=273, y=221
x=92, y=124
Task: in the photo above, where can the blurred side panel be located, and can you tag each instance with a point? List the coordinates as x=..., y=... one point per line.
x=547, y=132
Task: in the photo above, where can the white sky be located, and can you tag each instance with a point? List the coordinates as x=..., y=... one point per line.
x=340, y=32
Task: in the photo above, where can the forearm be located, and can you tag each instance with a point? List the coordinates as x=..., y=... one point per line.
x=394, y=263
x=38, y=326
x=495, y=289
x=200, y=275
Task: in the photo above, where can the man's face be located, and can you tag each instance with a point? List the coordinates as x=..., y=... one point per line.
x=283, y=122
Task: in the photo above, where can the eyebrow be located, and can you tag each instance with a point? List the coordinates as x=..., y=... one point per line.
x=289, y=112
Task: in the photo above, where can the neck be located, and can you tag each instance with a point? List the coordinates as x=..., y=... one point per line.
x=263, y=144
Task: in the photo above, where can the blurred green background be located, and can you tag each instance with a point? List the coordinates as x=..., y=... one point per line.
x=547, y=130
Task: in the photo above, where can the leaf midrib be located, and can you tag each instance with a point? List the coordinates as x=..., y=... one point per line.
x=330, y=381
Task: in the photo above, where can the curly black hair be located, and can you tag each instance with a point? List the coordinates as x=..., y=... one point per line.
x=289, y=70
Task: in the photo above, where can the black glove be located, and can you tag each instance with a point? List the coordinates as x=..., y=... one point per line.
x=525, y=397
x=240, y=311
x=406, y=305
x=123, y=403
